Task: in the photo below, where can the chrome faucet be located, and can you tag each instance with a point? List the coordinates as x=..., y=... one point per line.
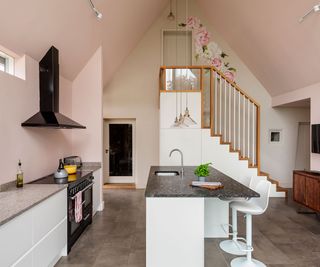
x=181, y=154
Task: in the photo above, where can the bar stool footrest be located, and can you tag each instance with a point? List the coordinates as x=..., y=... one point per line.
x=233, y=247
x=244, y=262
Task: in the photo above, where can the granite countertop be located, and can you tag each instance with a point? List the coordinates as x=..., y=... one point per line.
x=15, y=201
x=91, y=166
x=174, y=186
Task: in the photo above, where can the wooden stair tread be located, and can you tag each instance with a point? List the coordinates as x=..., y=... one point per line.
x=253, y=166
x=225, y=143
x=276, y=183
x=250, y=165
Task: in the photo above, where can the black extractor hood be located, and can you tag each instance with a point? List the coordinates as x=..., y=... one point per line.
x=49, y=115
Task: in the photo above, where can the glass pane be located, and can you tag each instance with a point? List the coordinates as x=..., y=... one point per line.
x=182, y=79
x=120, y=142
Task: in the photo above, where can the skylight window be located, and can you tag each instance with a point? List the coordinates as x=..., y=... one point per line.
x=6, y=63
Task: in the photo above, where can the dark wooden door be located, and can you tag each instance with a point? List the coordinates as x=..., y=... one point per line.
x=299, y=188
x=313, y=193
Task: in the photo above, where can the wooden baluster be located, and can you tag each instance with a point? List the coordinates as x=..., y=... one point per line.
x=244, y=126
x=248, y=103
x=220, y=106
x=239, y=121
x=234, y=118
x=216, y=104
x=212, y=102
x=229, y=132
x=258, y=139
x=225, y=112
x=253, y=135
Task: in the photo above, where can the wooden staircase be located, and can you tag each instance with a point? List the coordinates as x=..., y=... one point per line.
x=230, y=114
x=279, y=188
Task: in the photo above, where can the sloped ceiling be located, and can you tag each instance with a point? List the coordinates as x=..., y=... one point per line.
x=31, y=27
x=283, y=54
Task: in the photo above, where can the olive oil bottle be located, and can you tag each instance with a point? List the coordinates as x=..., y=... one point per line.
x=19, y=176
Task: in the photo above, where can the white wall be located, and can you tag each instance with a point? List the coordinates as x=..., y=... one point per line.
x=133, y=93
x=312, y=92
x=87, y=109
x=39, y=149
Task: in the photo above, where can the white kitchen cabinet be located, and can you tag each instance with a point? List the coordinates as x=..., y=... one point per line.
x=15, y=238
x=97, y=197
x=37, y=237
x=25, y=261
x=57, y=207
x=48, y=251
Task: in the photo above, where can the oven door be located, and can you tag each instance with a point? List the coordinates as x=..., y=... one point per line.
x=75, y=229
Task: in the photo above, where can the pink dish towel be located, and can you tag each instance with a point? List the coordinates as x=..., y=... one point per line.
x=78, y=207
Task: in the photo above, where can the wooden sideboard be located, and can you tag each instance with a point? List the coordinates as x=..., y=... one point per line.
x=306, y=189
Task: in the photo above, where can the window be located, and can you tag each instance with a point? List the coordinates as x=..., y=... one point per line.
x=6, y=63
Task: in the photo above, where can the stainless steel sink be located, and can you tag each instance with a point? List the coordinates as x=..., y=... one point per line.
x=167, y=173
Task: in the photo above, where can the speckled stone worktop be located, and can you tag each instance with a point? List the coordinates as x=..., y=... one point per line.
x=91, y=166
x=15, y=201
x=175, y=186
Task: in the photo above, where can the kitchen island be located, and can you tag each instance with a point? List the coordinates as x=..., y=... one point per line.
x=179, y=217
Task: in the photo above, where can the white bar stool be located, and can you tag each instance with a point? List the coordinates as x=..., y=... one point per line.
x=234, y=246
x=254, y=206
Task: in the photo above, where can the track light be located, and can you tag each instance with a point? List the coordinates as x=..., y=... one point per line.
x=96, y=12
x=314, y=9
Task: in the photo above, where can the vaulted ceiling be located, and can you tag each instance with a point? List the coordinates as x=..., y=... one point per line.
x=283, y=54
x=31, y=27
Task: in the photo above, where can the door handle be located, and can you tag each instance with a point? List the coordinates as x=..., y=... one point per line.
x=107, y=151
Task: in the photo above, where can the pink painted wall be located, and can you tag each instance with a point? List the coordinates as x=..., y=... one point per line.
x=87, y=109
x=312, y=92
x=38, y=149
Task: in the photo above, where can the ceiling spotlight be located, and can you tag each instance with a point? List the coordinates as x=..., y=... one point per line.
x=96, y=12
x=171, y=16
x=314, y=9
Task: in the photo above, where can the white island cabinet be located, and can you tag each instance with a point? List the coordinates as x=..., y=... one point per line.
x=180, y=217
x=38, y=236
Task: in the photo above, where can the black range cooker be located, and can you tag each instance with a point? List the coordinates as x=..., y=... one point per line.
x=82, y=181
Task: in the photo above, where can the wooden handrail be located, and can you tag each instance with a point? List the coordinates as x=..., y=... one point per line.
x=217, y=71
x=236, y=143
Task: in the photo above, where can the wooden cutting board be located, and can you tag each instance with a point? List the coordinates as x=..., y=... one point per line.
x=209, y=187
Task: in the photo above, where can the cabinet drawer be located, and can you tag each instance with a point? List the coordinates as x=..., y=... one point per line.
x=15, y=238
x=48, y=251
x=48, y=214
x=26, y=261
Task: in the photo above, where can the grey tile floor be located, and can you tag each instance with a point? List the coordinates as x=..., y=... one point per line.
x=116, y=238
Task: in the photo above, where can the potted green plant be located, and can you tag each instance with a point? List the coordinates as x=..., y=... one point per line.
x=202, y=171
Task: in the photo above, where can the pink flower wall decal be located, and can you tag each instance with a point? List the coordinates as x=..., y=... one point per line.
x=216, y=62
x=229, y=75
x=206, y=51
x=202, y=36
x=193, y=23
